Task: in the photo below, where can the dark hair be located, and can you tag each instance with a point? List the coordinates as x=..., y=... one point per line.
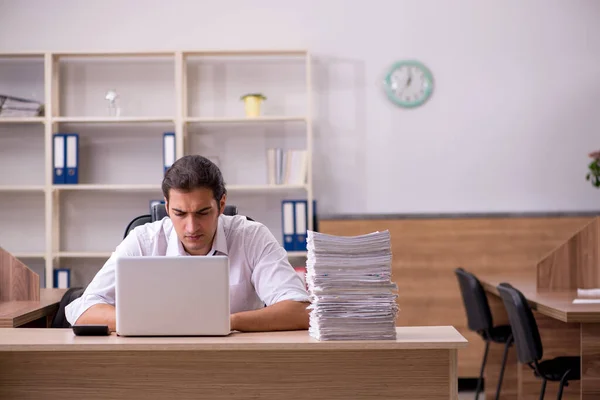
x=194, y=172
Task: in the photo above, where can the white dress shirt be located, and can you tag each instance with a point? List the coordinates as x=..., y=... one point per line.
x=259, y=271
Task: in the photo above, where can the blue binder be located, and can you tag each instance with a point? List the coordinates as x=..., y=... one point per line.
x=72, y=158
x=301, y=223
x=62, y=278
x=168, y=150
x=288, y=225
x=58, y=158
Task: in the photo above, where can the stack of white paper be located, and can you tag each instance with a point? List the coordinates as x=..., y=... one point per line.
x=349, y=280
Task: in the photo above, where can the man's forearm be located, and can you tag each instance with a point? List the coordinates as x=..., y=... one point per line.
x=103, y=314
x=287, y=315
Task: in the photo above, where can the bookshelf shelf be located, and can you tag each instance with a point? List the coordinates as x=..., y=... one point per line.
x=190, y=88
x=83, y=254
x=29, y=255
x=113, y=120
x=249, y=53
x=254, y=120
x=23, y=120
x=107, y=187
x=264, y=188
x=22, y=188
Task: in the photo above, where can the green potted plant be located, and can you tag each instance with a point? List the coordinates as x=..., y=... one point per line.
x=593, y=174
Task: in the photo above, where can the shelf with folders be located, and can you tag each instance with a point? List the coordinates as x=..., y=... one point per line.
x=120, y=104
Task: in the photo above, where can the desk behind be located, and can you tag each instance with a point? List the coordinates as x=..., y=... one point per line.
x=556, y=304
x=31, y=313
x=419, y=364
x=565, y=329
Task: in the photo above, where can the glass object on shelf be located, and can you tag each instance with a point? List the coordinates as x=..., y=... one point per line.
x=114, y=110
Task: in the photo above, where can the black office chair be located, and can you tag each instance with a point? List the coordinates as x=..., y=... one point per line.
x=479, y=318
x=158, y=212
x=529, y=344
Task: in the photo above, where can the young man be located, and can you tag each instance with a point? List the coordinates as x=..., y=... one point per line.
x=260, y=273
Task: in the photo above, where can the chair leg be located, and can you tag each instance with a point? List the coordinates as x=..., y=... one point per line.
x=543, y=391
x=480, y=380
x=506, y=346
x=563, y=381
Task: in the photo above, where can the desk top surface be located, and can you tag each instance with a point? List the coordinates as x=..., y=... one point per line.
x=16, y=313
x=33, y=339
x=558, y=305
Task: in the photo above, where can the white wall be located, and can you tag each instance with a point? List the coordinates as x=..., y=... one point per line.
x=514, y=113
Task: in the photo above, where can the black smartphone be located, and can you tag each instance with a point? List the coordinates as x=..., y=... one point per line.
x=91, y=330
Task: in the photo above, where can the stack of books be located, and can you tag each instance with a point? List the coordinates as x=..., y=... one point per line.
x=286, y=167
x=11, y=106
x=349, y=280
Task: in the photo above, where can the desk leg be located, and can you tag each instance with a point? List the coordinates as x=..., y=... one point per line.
x=453, y=375
x=494, y=362
x=558, y=339
x=590, y=361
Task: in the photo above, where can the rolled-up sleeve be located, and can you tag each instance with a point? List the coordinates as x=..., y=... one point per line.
x=273, y=277
x=102, y=288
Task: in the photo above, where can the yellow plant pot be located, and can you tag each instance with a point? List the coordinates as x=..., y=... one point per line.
x=252, y=105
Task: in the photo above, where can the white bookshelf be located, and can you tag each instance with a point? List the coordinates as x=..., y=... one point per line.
x=195, y=94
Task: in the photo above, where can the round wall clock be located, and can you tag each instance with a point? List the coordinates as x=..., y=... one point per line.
x=408, y=83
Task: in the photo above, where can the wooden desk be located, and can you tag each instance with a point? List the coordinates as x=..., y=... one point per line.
x=565, y=329
x=420, y=364
x=31, y=313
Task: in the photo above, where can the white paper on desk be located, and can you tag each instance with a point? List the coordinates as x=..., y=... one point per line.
x=588, y=293
x=586, y=301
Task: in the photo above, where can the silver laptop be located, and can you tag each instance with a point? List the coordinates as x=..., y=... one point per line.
x=172, y=296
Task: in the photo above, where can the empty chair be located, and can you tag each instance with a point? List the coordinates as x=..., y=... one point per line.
x=529, y=344
x=479, y=318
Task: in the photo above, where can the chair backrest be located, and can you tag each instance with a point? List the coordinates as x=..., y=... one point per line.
x=158, y=212
x=137, y=221
x=479, y=316
x=524, y=328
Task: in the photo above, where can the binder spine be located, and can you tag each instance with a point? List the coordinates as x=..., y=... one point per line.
x=62, y=278
x=301, y=223
x=288, y=225
x=72, y=159
x=168, y=150
x=58, y=158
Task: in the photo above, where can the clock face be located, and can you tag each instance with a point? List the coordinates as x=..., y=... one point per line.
x=408, y=83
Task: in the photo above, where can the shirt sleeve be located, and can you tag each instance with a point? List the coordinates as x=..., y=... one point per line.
x=273, y=277
x=102, y=288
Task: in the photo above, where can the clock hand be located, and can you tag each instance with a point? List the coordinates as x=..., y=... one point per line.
x=409, y=80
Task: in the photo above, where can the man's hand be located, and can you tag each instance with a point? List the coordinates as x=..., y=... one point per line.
x=287, y=315
x=102, y=314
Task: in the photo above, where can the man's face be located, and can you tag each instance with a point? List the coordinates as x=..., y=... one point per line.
x=195, y=216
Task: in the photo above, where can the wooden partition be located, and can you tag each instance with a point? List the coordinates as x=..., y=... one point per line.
x=573, y=264
x=427, y=250
x=17, y=281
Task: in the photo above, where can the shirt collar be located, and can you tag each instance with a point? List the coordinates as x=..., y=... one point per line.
x=220, y=242
x=219, y=246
